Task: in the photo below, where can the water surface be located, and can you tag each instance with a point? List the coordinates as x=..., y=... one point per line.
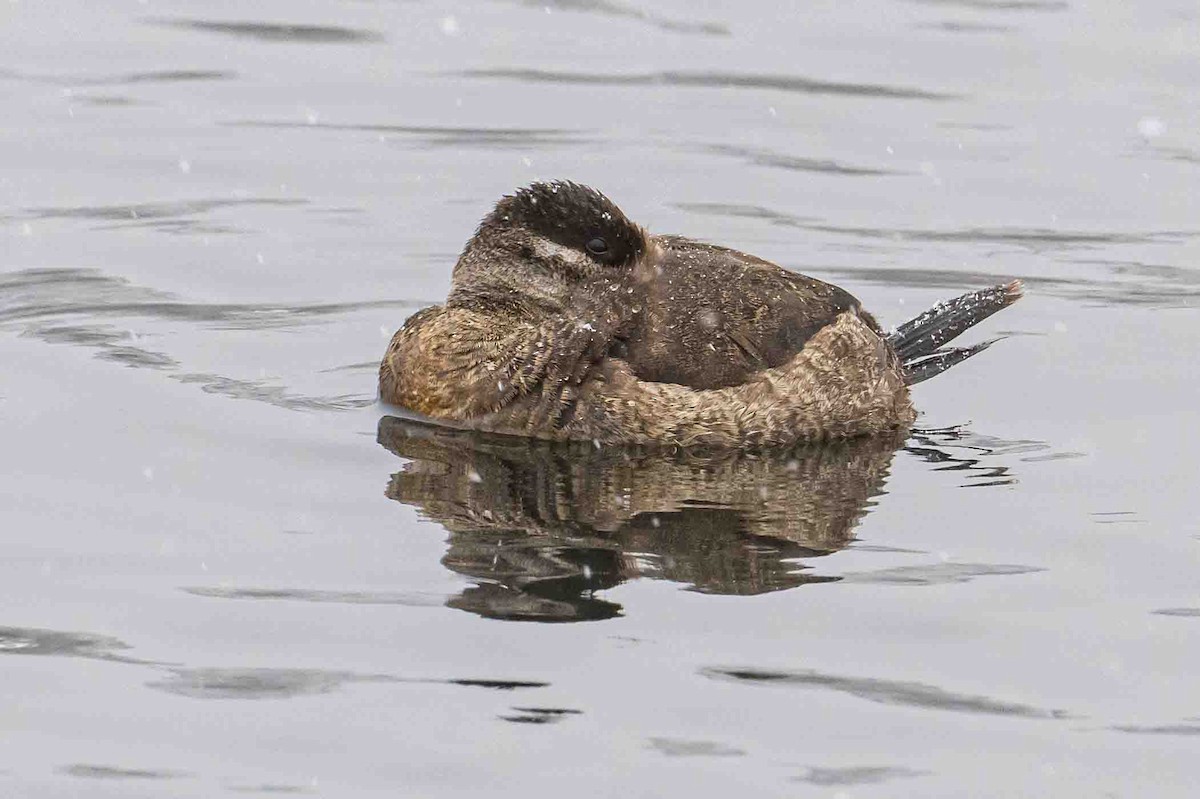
x=225, y=569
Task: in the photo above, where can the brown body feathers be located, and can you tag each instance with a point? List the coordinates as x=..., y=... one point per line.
x=567, y=321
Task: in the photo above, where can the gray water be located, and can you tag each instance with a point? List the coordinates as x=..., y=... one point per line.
x=225, y=569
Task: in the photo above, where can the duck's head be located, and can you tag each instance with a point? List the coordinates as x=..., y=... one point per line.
x=548, y=242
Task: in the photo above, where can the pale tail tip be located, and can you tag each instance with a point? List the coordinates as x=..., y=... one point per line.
x=1013, y=291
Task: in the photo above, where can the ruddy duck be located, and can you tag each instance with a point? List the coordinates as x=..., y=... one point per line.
x=567, y=321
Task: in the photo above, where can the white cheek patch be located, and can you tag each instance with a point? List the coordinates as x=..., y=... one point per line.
x=543, y=248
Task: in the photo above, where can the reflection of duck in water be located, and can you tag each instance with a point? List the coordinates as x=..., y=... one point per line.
x=567, y=321
x=541, y=527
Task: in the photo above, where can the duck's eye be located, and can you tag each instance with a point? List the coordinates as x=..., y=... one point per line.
x=597, y=246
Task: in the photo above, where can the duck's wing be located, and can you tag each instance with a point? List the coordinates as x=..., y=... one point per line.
x=713, y=317
x=458, y=363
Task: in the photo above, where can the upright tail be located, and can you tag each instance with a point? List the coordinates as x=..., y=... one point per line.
x=919, y=342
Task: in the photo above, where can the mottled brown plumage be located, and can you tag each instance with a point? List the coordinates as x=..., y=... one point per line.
x=712, y=317
x=567, y=321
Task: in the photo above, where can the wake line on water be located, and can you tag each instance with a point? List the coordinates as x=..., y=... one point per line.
x=81, y=307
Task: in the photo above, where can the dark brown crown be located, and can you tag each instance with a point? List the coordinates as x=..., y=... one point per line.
x=572, y=215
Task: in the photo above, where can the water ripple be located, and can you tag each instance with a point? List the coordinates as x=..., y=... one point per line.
x=678, y=747
x=441, y=136
x=278, y=396
x=272, y=787
x=1000, y=5
x=610, y=8
x=955, y=26
x=39, y=303
x=711, y=80
x=36, y=294
x=405, y=598
x=153, y=211
x=857, y=775
x=1190, y=730
x=166, y=76
x=107, y=100
x=273, y=32
x=1127, y=283
x=495, y=685
x=774, y=160
x=122, y=79
x=111, y=344
x=286, y=683
x=96, y=772
x=1177, y=154
x=136, y=357
x=540, y=715
x=1159, y=287
x=259, y=683
x=743, y=211
x=936, y=573
x=221, y=683
x=887, y=692
x=955, y=449
x=1033, y=238
x=57, y=643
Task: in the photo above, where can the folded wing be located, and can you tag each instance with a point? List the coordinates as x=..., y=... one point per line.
x=711, y=317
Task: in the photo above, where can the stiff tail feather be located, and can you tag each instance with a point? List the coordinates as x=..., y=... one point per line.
x=919, y=342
